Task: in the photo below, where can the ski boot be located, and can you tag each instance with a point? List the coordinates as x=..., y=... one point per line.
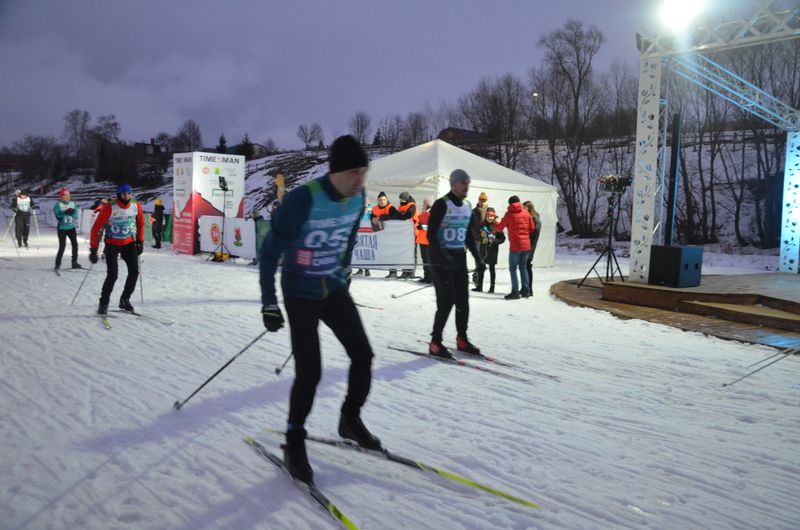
x=102, y=309
x=352, y=428
x=437, y=349
x=125, y=304
x=294, y=456
x=76, y=265
x=463, y=344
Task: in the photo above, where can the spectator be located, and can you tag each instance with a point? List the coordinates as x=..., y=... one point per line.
x=488, y=242
x=383, y=211
x=422, y=239
x=534, y=238
x=520, y=226
x=408, y=210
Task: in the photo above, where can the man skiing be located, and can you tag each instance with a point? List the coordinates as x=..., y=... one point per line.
x=66, y=212
x=448, y=232
x=123, y=222
x=22, y=205
x=315, y=232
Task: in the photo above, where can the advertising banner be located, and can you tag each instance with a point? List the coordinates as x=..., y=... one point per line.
x=391, y=248
x=198, y=191
x=240, y=235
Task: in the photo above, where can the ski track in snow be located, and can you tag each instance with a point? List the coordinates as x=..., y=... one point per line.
x=637, y=433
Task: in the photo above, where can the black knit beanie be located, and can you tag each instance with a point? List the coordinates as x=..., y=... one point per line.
x=347, y=153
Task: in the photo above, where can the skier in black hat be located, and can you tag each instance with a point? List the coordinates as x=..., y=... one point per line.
x=315, y=231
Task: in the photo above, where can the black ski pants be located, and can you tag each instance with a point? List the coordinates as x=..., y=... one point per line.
x=22, y=228
x=62, y=245
x=426, y=268
x=339, y=313
x=452, y=288
x=129, y=256
x=157, y=228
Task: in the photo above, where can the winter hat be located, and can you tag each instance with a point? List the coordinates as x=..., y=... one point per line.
x=513, y=199
x=458, y=175
x=483, y=196
x=381, y=194
x=405, y=196
x=17, y=192
x=124, y=188
x=63, y=192
x=491, y=210
x=157, y=202
x=347, y=153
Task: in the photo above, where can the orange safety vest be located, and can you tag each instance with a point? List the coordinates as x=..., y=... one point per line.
x=377, y=211
x=422, y=228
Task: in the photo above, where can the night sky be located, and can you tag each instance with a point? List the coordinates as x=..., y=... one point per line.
x=264, y=67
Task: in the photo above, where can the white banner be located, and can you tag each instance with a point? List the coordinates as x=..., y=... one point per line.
x=391, y=248
x=240, y=235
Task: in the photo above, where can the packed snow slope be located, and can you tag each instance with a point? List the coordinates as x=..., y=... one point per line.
x=637, y=432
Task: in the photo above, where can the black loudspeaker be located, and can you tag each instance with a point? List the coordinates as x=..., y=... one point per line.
x=675, y=266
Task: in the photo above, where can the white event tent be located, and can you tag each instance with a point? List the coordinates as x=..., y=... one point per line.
x=424, y=171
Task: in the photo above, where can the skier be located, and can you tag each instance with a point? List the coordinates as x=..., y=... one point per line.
x=488, y=243
x=448, y=232
x=22, y=205
x=315, y=233
x=123, y=222
x=158, y=222
x=66, y=212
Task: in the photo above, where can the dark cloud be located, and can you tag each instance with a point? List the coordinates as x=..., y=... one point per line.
x=265, y=67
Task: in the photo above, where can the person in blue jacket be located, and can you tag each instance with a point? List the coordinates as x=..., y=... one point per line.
x=315, y=231
x=66, y=212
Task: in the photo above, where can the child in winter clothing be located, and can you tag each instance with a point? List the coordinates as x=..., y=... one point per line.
x=67, y=213
x=488, y=242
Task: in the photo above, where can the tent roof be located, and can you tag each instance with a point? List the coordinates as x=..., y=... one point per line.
x=437, y=158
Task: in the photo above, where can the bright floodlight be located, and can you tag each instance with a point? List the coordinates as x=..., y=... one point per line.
x=678, y=14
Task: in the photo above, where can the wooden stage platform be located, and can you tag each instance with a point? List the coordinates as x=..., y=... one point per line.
x=756, y=308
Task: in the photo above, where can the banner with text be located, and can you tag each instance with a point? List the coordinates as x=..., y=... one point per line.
x=391, y=248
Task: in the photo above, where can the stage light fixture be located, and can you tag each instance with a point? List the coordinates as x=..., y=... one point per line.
x=677, y=15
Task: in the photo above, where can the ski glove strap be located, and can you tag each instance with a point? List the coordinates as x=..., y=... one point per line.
x=273, y=318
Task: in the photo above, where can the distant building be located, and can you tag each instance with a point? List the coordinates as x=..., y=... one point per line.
x=456, y=136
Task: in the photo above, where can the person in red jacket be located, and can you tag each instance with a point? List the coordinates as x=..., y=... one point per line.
x=422, y=239
x=123, y=222
x=519, y=223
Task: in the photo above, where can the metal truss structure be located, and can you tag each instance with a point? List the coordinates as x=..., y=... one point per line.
x=684, y=58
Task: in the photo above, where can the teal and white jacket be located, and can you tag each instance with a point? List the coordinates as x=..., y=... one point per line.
x=66, y=221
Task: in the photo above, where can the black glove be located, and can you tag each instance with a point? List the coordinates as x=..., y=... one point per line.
x=93, y=255
x=273, y=318
x=139, y=246
x=70, y=211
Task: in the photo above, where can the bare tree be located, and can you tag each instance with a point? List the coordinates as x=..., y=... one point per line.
x=165, y=141
x=415, y=130
x=43, y=156
x=391, y=129
x=310, y=134
x=360, y=126
x=188, y=138
x=76, y=134
x=565, y=110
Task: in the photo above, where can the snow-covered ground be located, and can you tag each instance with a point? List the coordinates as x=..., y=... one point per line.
x=637, y=433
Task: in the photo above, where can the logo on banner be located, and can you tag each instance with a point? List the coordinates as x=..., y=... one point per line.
x=205, y=171
x=237, y=236
x=304, y=257
x=215, y=234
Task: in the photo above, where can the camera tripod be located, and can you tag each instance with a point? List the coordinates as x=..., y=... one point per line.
x=612, y=265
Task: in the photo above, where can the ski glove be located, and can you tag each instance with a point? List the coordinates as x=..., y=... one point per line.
x=139, y=246
x=93, y=255
x=70, y=211
x=273, y=318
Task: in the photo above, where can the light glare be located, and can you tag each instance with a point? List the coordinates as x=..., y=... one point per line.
x=677, y=15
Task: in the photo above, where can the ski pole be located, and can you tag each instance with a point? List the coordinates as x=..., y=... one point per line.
x=14, y=239
x=179, y=404
x=785, y=354
x=279, y=370
x=765, y=359
x=141, y=278
x=412, y=292
x=8, y=229
x=82, y=282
